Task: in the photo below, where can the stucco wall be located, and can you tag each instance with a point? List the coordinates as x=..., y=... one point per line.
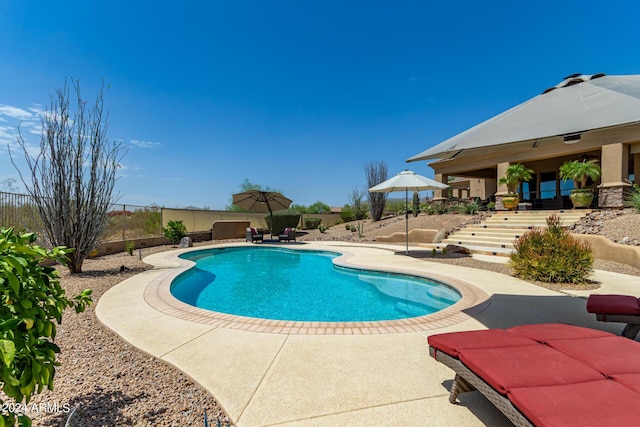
x=605, y=249
x=201, y=220
x=119, y=246
x=417, y=235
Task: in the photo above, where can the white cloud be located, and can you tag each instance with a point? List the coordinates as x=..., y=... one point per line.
x=15, y=112
x=37, y=109
x=20, y=121
x=144, y=144
x=7, y=132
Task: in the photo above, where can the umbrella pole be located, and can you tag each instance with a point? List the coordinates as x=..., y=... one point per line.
x=271, y=216
x=406, y=220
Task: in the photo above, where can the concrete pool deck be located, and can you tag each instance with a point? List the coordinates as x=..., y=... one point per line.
x=364, y=377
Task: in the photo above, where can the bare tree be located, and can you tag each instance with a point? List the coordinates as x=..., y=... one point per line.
x=73, y=175
x=357, y=203
x=8, y=185
x=376, y=173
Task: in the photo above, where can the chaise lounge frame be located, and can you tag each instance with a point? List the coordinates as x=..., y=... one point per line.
x=633, y=323
x=465, y=380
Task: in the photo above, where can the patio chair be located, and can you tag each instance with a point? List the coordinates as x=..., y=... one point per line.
x=253, y=236
x=288, y=234
x=617, y=308
x=547, y=374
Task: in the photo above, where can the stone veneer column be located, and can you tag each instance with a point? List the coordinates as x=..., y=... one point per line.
x=615, y=170
x=501, y=168
x=441, y=194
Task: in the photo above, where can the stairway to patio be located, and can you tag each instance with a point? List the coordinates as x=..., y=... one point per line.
x=496, y=234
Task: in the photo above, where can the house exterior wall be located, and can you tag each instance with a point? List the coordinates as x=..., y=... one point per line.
x=482, y=187
x=612, y=147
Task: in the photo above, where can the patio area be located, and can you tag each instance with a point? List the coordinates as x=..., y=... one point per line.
x=341, y=377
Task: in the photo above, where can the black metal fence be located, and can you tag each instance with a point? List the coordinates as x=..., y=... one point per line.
x=19, y=211
x=127, y=222
x=124, y=222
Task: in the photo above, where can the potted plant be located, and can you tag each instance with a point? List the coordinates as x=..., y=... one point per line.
x=513, y=176
x=580, y=172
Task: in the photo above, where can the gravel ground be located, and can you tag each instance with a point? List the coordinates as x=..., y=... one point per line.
x=113, y=384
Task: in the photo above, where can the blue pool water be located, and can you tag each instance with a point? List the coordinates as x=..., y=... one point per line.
x=285, y=284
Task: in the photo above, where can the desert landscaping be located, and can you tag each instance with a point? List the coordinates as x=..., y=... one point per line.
x=112, y=383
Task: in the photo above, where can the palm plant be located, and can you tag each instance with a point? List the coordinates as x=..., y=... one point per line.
x=580, y=171
x=633, y=198
x=514, y=175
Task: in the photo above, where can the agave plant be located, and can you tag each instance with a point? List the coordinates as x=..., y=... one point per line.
x=580, y=171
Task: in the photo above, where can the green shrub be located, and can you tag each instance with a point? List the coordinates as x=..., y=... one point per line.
x=347, y=227
x=323, y=228
x=633, y=198
x=312, y=223
x=347, y=213
x=468, y=208
x=551, y=255
x=32, y=303
x=282, y=220
x=438, y=208
x=396, y=205
x=175, y=231
x=353, y=229
x=129, y=247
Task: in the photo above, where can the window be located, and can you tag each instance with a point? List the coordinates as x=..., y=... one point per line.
x=566, y=185
x=548, y=185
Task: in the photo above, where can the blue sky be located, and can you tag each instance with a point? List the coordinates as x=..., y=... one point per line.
x=296, y=96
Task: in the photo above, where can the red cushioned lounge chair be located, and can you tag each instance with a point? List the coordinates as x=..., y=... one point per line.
x=548, y=374
x=617, y=308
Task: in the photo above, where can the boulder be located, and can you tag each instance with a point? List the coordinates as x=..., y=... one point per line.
x=455, y=249
x=186, y=242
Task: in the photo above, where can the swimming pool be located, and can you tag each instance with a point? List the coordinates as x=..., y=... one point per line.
x=303, y=285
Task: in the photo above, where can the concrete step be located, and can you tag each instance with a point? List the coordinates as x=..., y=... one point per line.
x=490, y=233
x=460, y=240
x=545, y=212
x=526, y=219
x=489, y=244
x=540, y=219
x=497, y=233
x=532, y=219
x=507, y=226
x=481, y=250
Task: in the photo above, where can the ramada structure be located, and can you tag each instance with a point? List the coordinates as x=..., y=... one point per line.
x=585, y=117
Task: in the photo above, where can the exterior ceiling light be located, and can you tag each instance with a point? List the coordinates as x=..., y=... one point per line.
x=571, y=139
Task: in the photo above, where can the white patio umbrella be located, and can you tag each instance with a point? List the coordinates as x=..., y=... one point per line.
x=405, y=181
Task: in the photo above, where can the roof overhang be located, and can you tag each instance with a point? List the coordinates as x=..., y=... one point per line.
x=559, y=115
